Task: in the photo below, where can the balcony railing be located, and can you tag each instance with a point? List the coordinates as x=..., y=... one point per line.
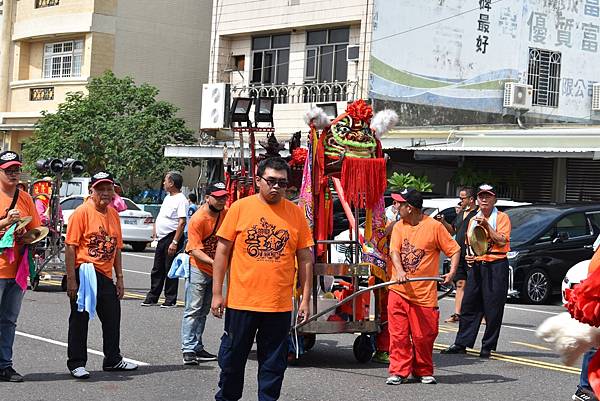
x=320, y=92
x=46, y=3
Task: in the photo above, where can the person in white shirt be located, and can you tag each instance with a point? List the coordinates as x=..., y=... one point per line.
x=168, y=230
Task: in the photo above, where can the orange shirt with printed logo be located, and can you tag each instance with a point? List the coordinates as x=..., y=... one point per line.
x=595, y=262
x=503, y=227
x=263, y=263
x=200, y=228
x=96, y=235
x=26, y=206
x=419, y=248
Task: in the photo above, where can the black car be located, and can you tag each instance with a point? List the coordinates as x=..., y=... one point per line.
x=547, y=240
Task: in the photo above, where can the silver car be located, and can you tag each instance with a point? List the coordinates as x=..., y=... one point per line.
x=136, y=224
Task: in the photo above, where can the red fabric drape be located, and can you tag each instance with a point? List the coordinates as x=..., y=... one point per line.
x=364, y=181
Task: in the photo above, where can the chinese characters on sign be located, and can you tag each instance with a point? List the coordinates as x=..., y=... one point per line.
x=483, y=26
x=38, y=94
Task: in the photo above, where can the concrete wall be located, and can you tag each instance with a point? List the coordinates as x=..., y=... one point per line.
x=166, y=43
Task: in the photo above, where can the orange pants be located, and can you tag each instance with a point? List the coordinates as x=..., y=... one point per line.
x=413, y=329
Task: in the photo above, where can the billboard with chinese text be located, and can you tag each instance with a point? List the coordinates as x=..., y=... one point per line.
x=459, y=53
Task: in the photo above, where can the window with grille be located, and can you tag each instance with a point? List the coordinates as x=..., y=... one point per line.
x=270, y=59
x=544, y=75
x=46, y=3
x=63, y=59
x=326, y=55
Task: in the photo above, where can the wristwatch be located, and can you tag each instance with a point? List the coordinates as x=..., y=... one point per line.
x=174, y=242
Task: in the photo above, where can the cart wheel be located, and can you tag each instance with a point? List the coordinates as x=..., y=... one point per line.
x=63, y=283
x=363, y=348
x=35, y=283
x=309, y=341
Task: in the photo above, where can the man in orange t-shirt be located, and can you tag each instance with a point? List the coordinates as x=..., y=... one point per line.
x=487, y=279
x=14, y=204
x=94, y=237
x=201, y=245
x=267, y=234
x=413, y=313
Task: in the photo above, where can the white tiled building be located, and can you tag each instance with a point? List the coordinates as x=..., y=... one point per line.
x=294, y=50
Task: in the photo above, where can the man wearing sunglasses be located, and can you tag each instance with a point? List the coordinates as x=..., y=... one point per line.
x=14, y=204
x=265, y=235
x=202, y=244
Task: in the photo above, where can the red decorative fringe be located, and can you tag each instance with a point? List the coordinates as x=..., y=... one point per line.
x=364, y=181
x=583, y=302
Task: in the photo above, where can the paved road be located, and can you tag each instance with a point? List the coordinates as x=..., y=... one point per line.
x=523, y=368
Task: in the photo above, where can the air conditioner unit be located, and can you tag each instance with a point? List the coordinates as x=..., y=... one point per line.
x=352, y=53
x=596, y=97
x=517, y=96
x=215, y=106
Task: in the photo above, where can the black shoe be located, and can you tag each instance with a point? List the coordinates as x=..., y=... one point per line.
x=454, y=349
x=189, y=358
x=584, y=395
x=148, y=303
x=169, y=305
x=10, y=375
x=485, y=353
x=204, y=356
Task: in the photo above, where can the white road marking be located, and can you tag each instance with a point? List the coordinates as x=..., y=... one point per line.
x=518, y=328
x=90, y=351
x=135, y=271
x=137, y=256
x=518, y=308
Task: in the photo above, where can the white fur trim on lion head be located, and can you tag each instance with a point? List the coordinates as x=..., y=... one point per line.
x=383, y=122
x=317, y=116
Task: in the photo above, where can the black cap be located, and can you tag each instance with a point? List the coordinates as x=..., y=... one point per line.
x=485, y=188
x=102, y=176
x=217, y=189
x=410, y=196
x=9, y=158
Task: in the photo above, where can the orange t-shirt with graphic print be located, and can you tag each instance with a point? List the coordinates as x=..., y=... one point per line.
x=26, y=206
x=503, y=227
x=266, y=238
x=96, y=235
x=419, y=248
x=595, y=262
x=200, y=228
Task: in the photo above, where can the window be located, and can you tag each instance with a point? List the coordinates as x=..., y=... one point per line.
x=326, y=55
x=270, y=59
x=71, y=204
x=46, y=3
x=130, y=204
x=63, y=59
x=574, y=224
x=595, y=222
x=544, y=75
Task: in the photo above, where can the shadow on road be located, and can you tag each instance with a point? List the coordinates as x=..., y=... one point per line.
x=101, y=376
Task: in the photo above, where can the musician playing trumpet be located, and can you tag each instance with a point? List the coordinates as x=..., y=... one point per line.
x=487, y=279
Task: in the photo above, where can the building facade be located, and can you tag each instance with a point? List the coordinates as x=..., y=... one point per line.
x=444, y=67
x=300, y=52
x=51, y=47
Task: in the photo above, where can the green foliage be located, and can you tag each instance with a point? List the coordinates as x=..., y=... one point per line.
x=117, y=126
x=467, y=175
x=398, y=182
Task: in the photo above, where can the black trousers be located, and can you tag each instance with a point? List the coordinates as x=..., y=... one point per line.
x=271, y=330
x=108, y=309
x=485, y=295
x=158, y=275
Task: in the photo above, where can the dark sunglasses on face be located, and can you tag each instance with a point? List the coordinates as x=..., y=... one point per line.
x=272, y=182
x=12, y=171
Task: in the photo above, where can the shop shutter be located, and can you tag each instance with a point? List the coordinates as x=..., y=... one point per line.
x=583, y=180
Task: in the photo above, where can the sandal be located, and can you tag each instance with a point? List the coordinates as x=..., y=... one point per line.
x=455, y=317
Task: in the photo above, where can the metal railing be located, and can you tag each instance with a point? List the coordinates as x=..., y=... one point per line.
x=317, y=92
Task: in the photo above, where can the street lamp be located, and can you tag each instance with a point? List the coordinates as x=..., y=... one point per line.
x=240, y=110
x=263, y=111
x=330, y=109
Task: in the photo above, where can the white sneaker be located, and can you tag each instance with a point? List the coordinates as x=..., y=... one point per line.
x=395, y=380
x=80, y=373
x=121, y=366
x=428, y=380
